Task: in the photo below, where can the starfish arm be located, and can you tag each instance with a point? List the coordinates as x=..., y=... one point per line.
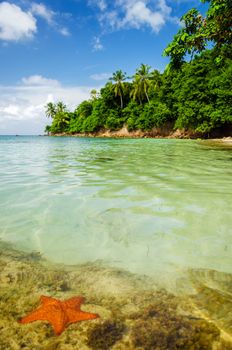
x=37, y=315
x=47, y=300
x=55, y=316
x=58, y=324
x=74, y=316
x=74, y=303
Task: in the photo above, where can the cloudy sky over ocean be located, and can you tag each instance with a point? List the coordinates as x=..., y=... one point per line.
x=61, y=49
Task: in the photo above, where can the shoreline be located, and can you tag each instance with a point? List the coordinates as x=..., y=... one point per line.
x=153, y=134
x=125, y=133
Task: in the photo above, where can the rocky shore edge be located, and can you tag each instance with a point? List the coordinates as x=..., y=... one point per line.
x=154, y=133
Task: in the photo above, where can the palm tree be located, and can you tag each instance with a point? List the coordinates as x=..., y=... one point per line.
x=47, y=129
x=141, y=82
x=50, y=110
x=118, y=77
x=156, y=79
x=94, y=94
x=61, y=107
x=63, y=119
x=136, y=89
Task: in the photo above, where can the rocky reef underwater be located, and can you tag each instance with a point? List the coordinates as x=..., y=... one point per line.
x=134, y=312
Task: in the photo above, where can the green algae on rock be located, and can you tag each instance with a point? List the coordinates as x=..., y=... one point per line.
x=168, y=330
x=104, y=335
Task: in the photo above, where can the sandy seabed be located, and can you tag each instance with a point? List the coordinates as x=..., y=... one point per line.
x=134, y=312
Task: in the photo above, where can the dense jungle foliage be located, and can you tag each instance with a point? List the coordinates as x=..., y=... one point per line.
x=194, y=92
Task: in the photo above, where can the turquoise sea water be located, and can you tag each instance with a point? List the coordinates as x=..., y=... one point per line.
x=147, y=205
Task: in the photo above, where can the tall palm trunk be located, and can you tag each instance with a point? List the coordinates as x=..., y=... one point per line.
x=118, y=77
x=121, y=101
x=148, y=100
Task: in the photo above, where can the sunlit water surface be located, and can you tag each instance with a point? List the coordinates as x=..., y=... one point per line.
x=150, y=206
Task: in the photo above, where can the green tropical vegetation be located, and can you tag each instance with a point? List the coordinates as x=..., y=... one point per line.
x=194, y=93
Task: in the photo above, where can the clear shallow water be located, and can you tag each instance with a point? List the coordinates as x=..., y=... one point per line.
x=150, y=206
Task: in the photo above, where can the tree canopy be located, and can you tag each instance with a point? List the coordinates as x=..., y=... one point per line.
x=194, y=92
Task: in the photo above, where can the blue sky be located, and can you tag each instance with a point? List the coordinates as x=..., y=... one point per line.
x=60, y=49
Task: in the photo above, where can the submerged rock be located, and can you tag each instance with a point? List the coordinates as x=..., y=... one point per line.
x=134, y=314
x=167, y=330
x=102, y=336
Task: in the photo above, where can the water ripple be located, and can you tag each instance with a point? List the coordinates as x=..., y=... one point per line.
x=147, y=205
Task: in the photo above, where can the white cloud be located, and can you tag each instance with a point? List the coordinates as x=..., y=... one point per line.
x=162, y=5
x=64, y=31
x=110, y=18
x=41, y=10
x=22, y=107
x=101, y=4
x=135, y=14
x=16, y=24
x=38, y=80
x=97, y=45
x=12, y=110
x=138, y=14
x=100, y=76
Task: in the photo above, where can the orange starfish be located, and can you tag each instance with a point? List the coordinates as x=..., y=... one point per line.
x=59, y=313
